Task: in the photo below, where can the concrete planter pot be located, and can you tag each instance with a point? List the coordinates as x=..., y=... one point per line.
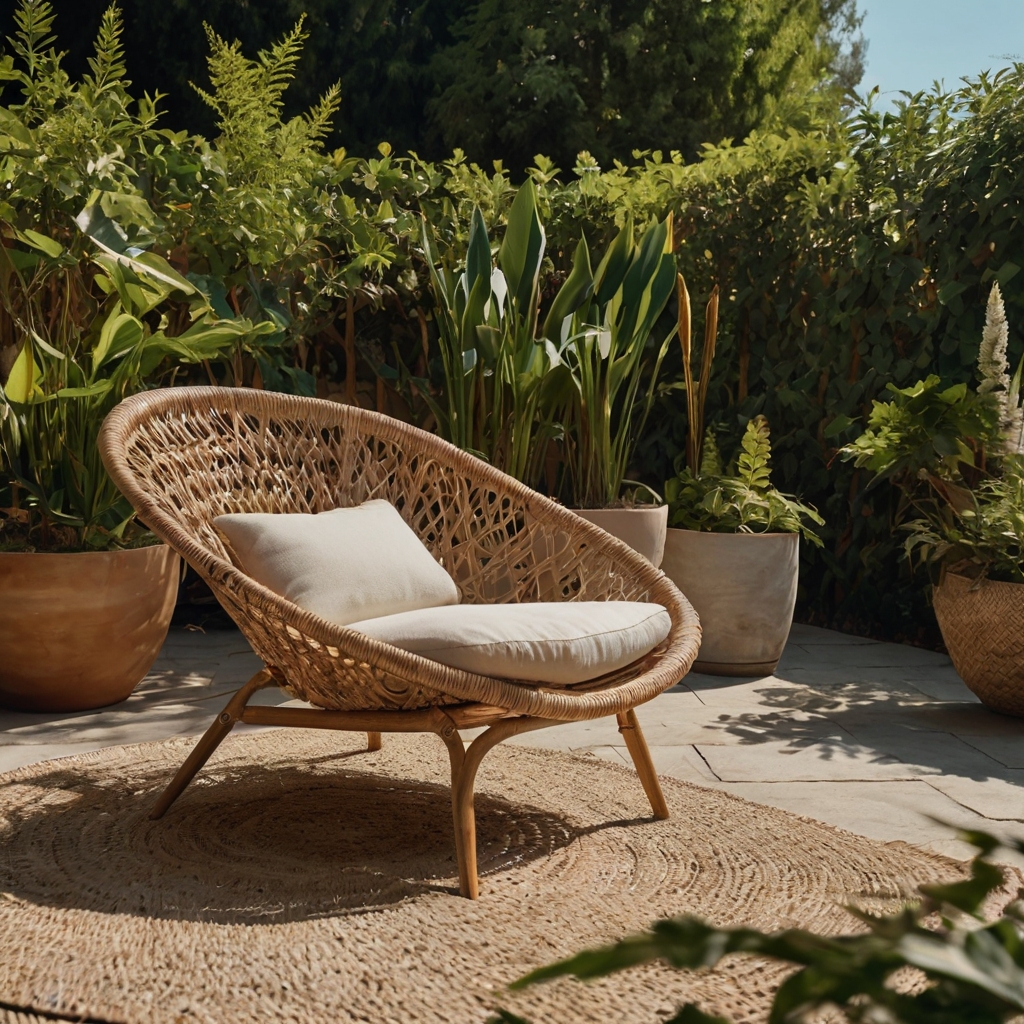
x=982, y=623
x=743, y=587
x=642, y=528
x=81, y=630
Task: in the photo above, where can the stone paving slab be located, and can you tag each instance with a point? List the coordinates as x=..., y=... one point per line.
x=876, y=738
x=997, y=799
x=884, y=810
x=811, y=636
x=1007, y=750
x=834, y=759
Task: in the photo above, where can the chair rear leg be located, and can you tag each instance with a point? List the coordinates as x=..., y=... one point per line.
x=629, y=727
x=211, y=740
x=373, y=741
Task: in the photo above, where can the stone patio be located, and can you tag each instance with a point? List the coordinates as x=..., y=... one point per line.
x=879, y=739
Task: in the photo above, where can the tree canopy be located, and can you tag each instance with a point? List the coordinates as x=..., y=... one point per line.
x=506, y=80
x=611, y=76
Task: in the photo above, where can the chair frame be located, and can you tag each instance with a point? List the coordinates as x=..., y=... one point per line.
x=162, y=447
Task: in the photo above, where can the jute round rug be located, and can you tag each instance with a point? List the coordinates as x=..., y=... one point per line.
x=300, y=879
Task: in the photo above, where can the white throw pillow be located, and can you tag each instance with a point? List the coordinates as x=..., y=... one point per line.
x=343, y=565
x=554, y=643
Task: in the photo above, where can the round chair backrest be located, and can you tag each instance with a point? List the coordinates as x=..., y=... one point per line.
x=183, y=456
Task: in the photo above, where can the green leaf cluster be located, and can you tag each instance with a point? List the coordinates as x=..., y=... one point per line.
x=973, y=967
x=503, y=384
x=955, y=455
x=519, y=388
x=78, y=359
x=604, y=322
x=982, y=536
x=928, y=431
x=741, y=500
x=87, y=313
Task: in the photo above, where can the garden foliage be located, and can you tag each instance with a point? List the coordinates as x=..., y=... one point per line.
x=504, y=80
x=739, y=498
x=850, y=253
x=957, y=458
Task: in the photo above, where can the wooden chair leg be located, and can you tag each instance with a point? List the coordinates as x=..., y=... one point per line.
x=211, y=740
x=448, y=732
x=629, y=727
x=373, y=741
x=465, y=762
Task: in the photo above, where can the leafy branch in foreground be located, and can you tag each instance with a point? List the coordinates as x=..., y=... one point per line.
x=974, y=969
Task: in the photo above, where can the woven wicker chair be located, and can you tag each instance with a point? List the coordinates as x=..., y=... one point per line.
x=185, y=455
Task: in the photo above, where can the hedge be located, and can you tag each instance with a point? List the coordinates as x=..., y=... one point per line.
x=850, y=253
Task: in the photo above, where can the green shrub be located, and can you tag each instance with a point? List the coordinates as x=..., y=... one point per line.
x=957, y=457
x=851, y=254
x=87, y=315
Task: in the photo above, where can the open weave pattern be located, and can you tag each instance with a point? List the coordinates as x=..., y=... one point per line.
x=982, y=623
x=183, y=456
x=302, y=881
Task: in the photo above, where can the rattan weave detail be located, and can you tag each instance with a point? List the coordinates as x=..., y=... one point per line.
x=183, y=456
x=982, y=623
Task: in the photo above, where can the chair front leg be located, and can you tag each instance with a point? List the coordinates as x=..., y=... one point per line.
x=464, y=763
x=211, y=740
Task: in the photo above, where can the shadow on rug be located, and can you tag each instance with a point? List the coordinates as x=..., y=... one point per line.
x=298, y=878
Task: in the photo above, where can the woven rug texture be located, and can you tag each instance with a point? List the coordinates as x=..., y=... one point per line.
x=302, y=879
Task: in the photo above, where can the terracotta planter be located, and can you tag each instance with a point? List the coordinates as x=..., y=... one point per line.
x=743, y=587
x=81, y=630
x=642, y=528
x=982, y=623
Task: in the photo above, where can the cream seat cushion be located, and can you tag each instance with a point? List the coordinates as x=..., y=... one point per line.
x=554, y=643
x=343, y=565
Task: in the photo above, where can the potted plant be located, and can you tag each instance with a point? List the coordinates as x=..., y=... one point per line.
x=957, y=457
x=517, y=388
x=87, y=593
x=604, y=343
x=87, y=316
x=504, y=386
x=734, y=543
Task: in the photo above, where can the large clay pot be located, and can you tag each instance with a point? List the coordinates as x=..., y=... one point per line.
x=81, y=630
x=982, y=623
x=642, y=527
x=743, y=587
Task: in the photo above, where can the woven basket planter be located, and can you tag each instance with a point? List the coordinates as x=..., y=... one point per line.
x=982, y=623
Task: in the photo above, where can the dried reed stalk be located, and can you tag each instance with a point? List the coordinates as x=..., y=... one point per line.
x=696, y=390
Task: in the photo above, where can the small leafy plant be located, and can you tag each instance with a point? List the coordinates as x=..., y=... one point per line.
x=984, y=536
x=703, y=495
x=972, y=968
x=741, y=500
x=957, y=457
x=72, y=368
